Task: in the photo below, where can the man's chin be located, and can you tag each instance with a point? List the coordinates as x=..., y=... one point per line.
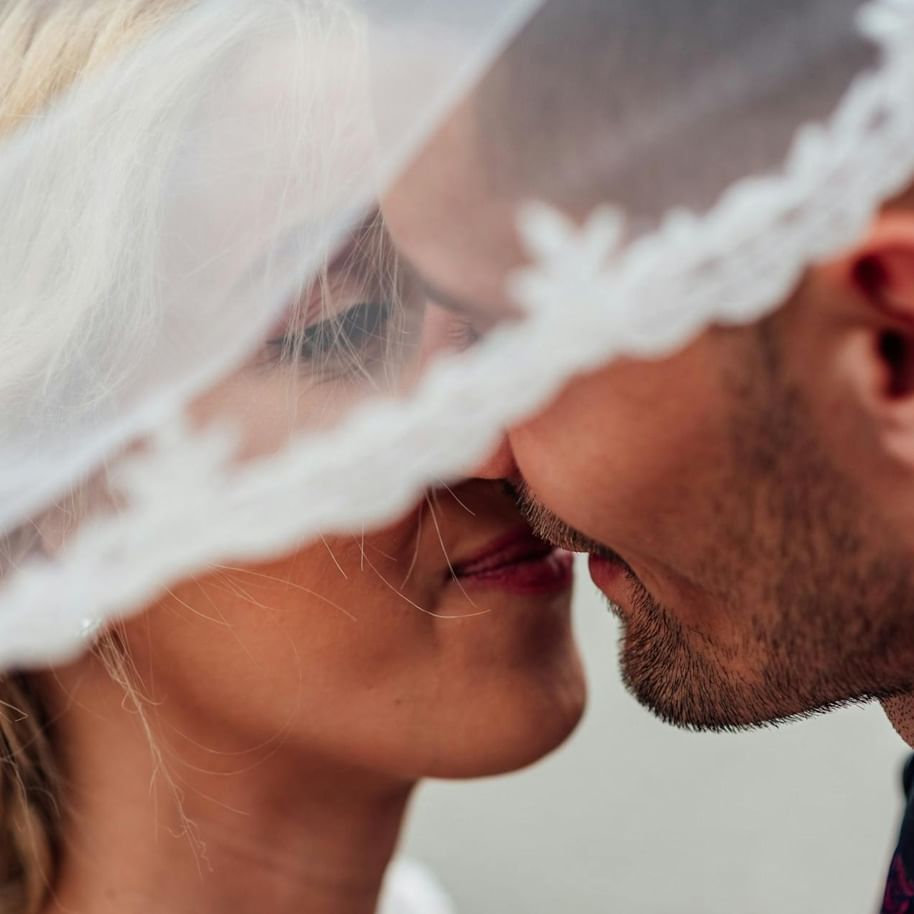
x=695, y=695
x=685, y=686
x=691, y=708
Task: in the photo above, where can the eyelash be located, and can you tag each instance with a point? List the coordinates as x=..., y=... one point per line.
x=356, y=339
x=462, y=335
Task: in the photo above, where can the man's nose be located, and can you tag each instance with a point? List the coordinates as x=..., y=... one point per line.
x=500, y=463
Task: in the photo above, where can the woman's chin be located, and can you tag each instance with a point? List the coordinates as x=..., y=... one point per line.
x=513, y=738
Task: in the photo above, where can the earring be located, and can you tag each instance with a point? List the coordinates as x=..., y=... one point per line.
x=89, y=628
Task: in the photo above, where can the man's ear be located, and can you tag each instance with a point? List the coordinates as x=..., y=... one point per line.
x=877, y=288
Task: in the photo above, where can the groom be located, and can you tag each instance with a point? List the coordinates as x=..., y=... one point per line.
x=748, y=502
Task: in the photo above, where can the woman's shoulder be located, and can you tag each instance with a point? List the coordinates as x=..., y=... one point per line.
x=410, y=888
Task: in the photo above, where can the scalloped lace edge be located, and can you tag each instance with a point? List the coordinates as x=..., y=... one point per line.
x=189, y=505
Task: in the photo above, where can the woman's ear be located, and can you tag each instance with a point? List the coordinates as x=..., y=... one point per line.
x=877, y=280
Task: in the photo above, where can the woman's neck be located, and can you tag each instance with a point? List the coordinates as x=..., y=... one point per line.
x=155, y=827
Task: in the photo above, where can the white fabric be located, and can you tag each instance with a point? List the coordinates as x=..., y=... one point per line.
x=250, y=137
x=411, y=888
x=235, y=227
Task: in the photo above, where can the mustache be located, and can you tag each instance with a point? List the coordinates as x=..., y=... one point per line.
x=551, y=528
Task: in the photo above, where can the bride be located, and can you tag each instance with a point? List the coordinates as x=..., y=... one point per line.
x=251, y=740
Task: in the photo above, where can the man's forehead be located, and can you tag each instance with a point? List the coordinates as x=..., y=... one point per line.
x=449, y=223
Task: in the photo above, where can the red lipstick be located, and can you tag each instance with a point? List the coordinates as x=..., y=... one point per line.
x=520, y=563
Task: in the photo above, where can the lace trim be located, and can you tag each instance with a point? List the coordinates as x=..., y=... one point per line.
x=189, y=506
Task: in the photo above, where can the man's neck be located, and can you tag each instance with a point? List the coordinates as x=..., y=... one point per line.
x=900, y=711
x=197, y=831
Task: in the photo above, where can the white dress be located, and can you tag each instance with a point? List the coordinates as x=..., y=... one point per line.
x=410, y=888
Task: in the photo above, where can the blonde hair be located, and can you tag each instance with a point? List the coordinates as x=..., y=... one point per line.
x=29, y=810
x=45, y=47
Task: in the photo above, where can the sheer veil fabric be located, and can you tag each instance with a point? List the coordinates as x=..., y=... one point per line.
x=209, y=201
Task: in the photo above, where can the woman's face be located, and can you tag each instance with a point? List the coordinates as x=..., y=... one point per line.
x=440, y=646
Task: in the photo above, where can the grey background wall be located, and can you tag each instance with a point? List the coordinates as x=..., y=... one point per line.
x=636, y=817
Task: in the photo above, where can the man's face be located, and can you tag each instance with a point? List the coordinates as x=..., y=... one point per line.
x=718, y=487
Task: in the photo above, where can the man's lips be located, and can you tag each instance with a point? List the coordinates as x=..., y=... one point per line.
x=608, y=574
x=519, y=563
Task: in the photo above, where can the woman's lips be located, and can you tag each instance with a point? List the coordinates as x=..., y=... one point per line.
x=520, y=564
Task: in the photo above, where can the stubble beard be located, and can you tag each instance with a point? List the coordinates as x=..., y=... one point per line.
x=826, y=619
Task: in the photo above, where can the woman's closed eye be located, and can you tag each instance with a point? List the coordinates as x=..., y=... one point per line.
x=361, y=317
x=357, y=335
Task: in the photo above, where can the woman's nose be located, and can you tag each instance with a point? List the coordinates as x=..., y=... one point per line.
x=499, y=464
